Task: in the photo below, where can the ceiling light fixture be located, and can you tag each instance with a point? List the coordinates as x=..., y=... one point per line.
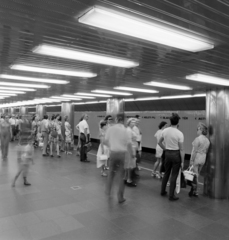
x=84, y=56
x=92, y=94
x=112, y=92
x=74, y=96
x=8, y=94
x=167, y=85
x=18, y=89
x=23, y=85
x=53, y=71
x=208, y=79
x=136, y=89
x=176, y=96
x=31, y=79
x=147, y=99
x=8, y=91
x=67, y=98
x=150, y=30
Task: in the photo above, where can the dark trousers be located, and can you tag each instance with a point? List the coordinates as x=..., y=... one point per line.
x=172, y=163
x=83, y=153
x=116, y=166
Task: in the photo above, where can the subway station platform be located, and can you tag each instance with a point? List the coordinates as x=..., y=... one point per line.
x=67, y=202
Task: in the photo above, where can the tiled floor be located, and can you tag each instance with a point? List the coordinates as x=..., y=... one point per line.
x=52, y=210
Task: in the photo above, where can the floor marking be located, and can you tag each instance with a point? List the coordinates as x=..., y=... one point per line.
x=76, y=188
x=92, y=154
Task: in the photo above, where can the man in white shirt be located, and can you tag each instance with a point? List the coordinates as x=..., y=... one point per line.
x=13, y=123
x=84, y=137
x=118, y=141
x=44, y=128
x=174, y=155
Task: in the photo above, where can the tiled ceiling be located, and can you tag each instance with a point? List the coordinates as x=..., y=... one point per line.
x=25, y=24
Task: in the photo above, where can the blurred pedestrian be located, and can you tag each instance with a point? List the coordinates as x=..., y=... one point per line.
x=5, y=137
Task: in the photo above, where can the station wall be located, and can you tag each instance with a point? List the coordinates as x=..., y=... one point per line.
x=149, y=125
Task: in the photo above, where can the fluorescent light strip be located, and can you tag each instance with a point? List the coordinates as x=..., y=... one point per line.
x=7, y=91
x=73, y=96
x=19, y=89
x=147, y=99
x=23, y=85
x=129, y=99
x=144, y=29
x=136, y=89
x=166, y=85
x=31, y=79
x=53, y=71
x=112, y=92
x=208, y=79
x=84, y=56
x=176, y=96
x=93, y=95
x=8, y=94
x=67, y=98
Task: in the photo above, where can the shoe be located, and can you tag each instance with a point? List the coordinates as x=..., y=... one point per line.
x=195, y=194
x=58, y=156
x=164, y=193
x=104, y=174
x=27, y=184
x=69, y=153
x=190, y=194
x=86, y=160
x=174, y=198
x=122, y=201
x=44, y=155
x=51, y=155
x=131, y=184
x=153, y=174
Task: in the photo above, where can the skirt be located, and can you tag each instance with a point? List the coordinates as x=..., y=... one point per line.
x=102, y=157
x=130, y=161
x=159, y=151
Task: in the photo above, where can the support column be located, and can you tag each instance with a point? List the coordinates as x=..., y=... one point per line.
x=40, y=111
x=12, y=111
x=23, y=110
x=115, y=106
x=67, y=109
x=216, y=182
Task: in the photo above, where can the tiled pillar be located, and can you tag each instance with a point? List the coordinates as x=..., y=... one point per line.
x=40, y=111
x=115, y=106
x=23, y=110
x=216, y=181
x=67, y=109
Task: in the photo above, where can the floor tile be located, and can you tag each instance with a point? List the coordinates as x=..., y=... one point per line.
x=72, y=209
x=68, y=224
x=6, y=224
x=197, y=235
x=12, y=234
x=216, y=230
x=210, y=213
x=25, y=219
x=49, y=214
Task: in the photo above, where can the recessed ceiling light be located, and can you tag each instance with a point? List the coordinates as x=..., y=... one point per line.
x=147, y=99
x=93, y=94
x=31, y=79
x=8, y=91
x=84, y=56
x=136, y=89
x=208, y=79
x=150, y=30
x=112, y=92
x=129, y=99
x=8, y=94
x=74, y=96
x=166, y=85
x=176, y=96
x=53, y=71
x=67, y=98
x=18, y=89
x=23, y=85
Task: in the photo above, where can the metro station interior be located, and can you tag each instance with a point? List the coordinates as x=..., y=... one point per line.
x=149, y=58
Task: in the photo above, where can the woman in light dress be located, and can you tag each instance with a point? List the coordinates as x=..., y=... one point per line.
x=130, y=161
x=198, y=156
x=53, y=136
x=159, y=151
x=103, y=151
x=68, y=136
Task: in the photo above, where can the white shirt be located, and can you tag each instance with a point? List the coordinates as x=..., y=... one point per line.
x=138, y=133
x=158, y=135
x=82, y=126
x=172, y=136
x=13, y=121
x=117, y=138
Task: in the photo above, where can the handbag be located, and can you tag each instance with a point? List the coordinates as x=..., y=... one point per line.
x=103, y=157
x=189, y=174
x=88, y=147
x=178, y=182
x=53, y=134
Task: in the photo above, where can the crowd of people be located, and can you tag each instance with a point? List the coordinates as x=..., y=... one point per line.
x=119, y=151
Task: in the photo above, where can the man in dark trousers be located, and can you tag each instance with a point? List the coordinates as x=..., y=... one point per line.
x=174, y=155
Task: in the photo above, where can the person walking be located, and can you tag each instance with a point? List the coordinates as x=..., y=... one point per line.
x=5, y=137
x=117, y=139
x=174, y=155
x=84, y=138
x=198, y=156
x=13, y=123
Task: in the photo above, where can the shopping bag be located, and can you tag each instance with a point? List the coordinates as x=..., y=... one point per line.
x=178, y=182
x=182, y=180
x=189, y=174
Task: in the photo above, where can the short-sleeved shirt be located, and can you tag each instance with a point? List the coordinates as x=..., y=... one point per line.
x=172, y=136
x=82, y=126
x=13, y=121
x=158, y=135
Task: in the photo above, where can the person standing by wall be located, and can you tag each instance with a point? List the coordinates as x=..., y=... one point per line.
x=44, y=128
x=84, y=138
x=118, y=141
x=68, y=135
x=174, y=155
x=5, y=137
